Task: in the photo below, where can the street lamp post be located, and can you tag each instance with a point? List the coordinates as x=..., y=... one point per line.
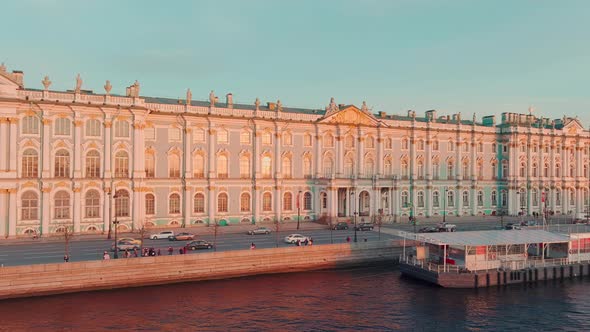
x=352, y=204
x=445, y=206
x=298, y=208
x=110, y=215
x=395, y=202
x=116, y=223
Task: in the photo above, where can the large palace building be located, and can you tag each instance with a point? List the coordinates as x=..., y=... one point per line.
x=80, y=159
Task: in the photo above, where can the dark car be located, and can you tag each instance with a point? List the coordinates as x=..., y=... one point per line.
x=428, y=229
x=512, y=226
x=340, y=226
x=199, y=244
x=365, y=226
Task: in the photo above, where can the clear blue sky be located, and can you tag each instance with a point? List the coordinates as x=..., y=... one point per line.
x=463, y=56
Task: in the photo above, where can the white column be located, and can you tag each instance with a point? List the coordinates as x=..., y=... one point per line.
x=187, y=153
x=212, y=204
x=3, y=147
x=188, y=194
x=13, y=146
x=78, y=150
x=46, y=210
x=107, y=150
x=3, y=213
x=339, y=160
x=256, y=204
x=106, y=210
x=256, y=156
x=332, y=193
x=317, y=164
x=278, y=206
x=212, y=155
x=278, y=169
x=428, y=199
x=77, y=216
x=12, y=212
x=138, y=211
x=360, y=169
x=138, y=150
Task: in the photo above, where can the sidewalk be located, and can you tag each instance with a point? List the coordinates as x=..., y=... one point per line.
x=198, y=230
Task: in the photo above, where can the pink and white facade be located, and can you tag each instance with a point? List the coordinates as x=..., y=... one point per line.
x=79, y=159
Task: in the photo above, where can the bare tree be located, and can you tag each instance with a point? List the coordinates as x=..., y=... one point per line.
x=216, y=231
x=67, y=236
x=142, y=233
x=331, y=225
x=379, y=222
x=277, y=226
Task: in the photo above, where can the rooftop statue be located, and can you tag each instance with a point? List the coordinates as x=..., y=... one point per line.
x=189, y=96
x=46, y=82
x=279, y=105
x=108, y=87
x=212, y=98
x=78, y=83
x=2, y=67
x=257, y=103
x=364, y=108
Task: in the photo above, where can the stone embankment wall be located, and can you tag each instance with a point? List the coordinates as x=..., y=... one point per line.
x=45, y=279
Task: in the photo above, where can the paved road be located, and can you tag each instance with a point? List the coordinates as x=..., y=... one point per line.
x=53, y=252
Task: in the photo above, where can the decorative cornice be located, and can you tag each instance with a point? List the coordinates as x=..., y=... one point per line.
x=13, y=120
x=108, y=124
x=46, y=122
x=78, y=123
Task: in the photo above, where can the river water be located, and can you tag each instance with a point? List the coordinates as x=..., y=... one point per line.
x=361, y=299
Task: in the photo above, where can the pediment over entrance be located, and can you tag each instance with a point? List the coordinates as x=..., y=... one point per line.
x=573, y=127
x=351, y=115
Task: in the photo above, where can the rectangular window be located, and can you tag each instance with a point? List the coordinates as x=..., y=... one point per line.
x=245, y=138
x=150, y=134
x=222, y=136
x=174, y=134
x=30, y=125
x=93, y=128
x=62, y=127
x=307, y=140
x=121, y=129
x=199, y=135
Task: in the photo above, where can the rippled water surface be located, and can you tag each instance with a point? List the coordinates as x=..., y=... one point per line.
x=371, y=299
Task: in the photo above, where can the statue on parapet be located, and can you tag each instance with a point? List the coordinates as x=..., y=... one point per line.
x=257, y=103
x=212, y=98
x=189, y=96
x=279, y=105
x=46, y=83
x=108, y=87
x=78, y=83
x=365, y=108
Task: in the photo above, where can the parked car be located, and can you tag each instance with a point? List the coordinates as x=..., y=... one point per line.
x=580, y=221
x=124, y=245
x=444, y=227
x=512, y=226
x=199, y=244
x=428, y=229
x=162, y=235
x=293, y=238
x=340, y=226
x=259, y=230
x=364, y=226
x=528, y=223
x=182, y=237
x=132, y=240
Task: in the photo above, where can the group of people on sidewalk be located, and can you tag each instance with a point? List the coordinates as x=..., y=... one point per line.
x=146, y=252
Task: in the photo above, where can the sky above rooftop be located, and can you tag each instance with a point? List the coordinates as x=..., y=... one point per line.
x=483, y=57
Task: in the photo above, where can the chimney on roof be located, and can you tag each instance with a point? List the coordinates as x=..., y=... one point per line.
x=229, y=100
x=18, y=77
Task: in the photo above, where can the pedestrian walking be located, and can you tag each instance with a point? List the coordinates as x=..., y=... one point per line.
x=127, y=253
x=180, y=251
x=252, y=246
x=365, y=239
x=66, y=258
x=310, y=241
x=135, y=252
x=159, y=252
x=306, y=242
x=170, y=251
x=106, y=256
x=348, y=239
x=298, y=243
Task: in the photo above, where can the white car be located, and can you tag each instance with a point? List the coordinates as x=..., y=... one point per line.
x=293, y=238
x=165, y=235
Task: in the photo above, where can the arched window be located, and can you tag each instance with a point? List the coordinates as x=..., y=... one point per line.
x=29, y=206
x=92, y=164
x=287, y=139
x=420, y=169
x=245, y=166
x=121, y=164
x=465, y=198
x=504, y=198
x=267, y=138
x=557, y=170
x=199, y=166
x=62, y=164
x=435, y=169
x=388, y=143
x=494, y=170
x=245, y=137
x=307, y=139
x=266, y=202
x=245, y=202
x=535, y=197
x=30, y=164
x=222, y=166
x=420, y=145
x=199, y=203
x=287, y=201
x=405, y=200
x=121, y=128
x=122, y=204
x=266, y=167
x=572, y=196
x=328, y=167
x=349, y=166
x=535, y=170
x=465, y=169
x=451, y=146
x=420, y=199
x=480, y=198
x=150, y=164
x=328, y=140
x=405, y=144
x=349, y=142
x=585, y=171
x=387, y=167
x=174, y=204
x=522, y=170
x=62, y=127
x=405, y=169
x=494, y=198
x=451, y=198
x=369, y=167
x=546, y=170
x=450, y=169
x=307, y=201
x=480, y=170
x=435, y=145
x=286, y=167
x=307, y=167
x=93, y=128
x=30, y=125
x=92, y=204
x=150, y=204
x=222, y=136
x=222, y=202
x=435, y=199
x=370, y=142
x=174, y=165
x=504, y=169
x=62, y=205
x=572, y=169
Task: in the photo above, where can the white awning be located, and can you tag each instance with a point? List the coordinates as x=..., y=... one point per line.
x=490, y=238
